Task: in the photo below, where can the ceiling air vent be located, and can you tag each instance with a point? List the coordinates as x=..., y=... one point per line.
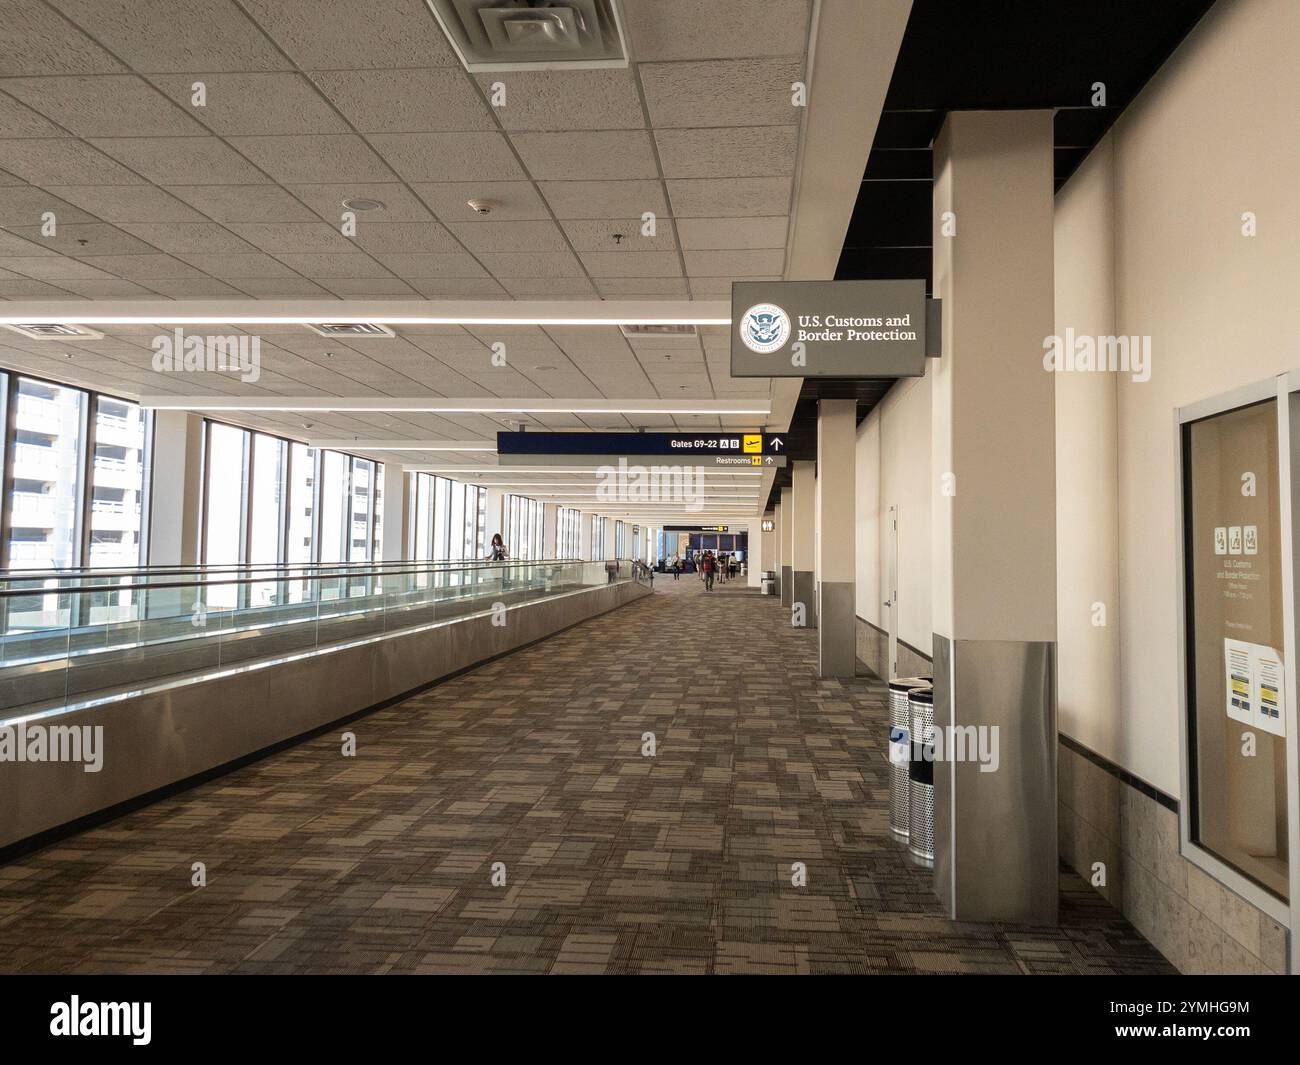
x=532, y=34
x=634, y=331
x=55, y=331
x=350, y=329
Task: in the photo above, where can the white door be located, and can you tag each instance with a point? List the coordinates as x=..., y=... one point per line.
x=891, y=591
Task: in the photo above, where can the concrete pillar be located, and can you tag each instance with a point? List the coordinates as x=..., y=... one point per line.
x=494, y=519
x=837, y=620
x=177, y=488
x=397, y=491
x=804, y=534
x=787, y=548
x=550, y=516
x=994, y=519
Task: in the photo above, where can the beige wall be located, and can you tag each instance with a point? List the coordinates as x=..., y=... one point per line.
x=893, y=469
x=1213, y=135
x=1087, y=519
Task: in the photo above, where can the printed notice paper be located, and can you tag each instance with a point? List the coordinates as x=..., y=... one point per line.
x=1254, y=685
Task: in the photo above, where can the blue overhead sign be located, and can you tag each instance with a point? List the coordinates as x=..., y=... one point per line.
x=685, y=444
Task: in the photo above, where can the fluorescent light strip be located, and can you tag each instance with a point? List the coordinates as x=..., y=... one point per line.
x=426, y=408
x=409, y=445
x=323, y=319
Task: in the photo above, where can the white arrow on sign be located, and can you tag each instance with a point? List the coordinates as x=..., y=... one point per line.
x=776, y=443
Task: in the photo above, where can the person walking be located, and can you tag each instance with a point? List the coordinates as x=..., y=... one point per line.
x=677, y=567
x=498, y=552
x=710, y=568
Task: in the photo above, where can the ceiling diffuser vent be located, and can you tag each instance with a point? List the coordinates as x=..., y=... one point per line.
x=533, y=34
x=350, y=329
x=635, y=331
x=55, y=331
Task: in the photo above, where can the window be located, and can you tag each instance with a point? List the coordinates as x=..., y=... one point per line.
x=599, y=548
x=448, y=519
x=117, y=484
x=302, y=504
x=267, y=531
x=567, y=530
x=270, y=501
x=76, y=483
x=225, y=490
x=620, y=538
x=524, y=532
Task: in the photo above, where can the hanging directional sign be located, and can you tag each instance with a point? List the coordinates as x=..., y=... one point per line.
x=828, y=328
x=614, y=444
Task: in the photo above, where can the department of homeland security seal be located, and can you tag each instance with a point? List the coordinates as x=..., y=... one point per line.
x=764, y=328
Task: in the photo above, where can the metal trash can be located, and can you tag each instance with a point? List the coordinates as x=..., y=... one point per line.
x=920, y=776
x=769, y=582
x=900, y=753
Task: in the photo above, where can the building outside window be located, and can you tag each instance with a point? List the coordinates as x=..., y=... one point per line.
x=568, y=523
x=598, y=530
x=74, y=493
x=448, y=519
x=270, y=501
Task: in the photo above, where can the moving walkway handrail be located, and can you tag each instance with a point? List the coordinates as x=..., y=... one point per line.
x=289, y=574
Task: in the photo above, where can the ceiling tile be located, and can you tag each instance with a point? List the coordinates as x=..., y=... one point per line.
x=748, y=263
x=722, y=92
x=566, y=99
x=406, y=101
x=328, y=266
x=400, y=205
x=432, y=265
x=312, y=159
x=191, y=288
x=532, y=264
x=241, y=265
x=400, y=237
x=185, y=36
x=347, y=287
x=128, y=203
x=48, y=268
x=241, y=203
x=484, y=236
x=118, y=105
x=750, y=151
x=15, y=245
x=106, y=289
x=25, y=204
x=710, y=197
x=634, y=287
x=448, y=288
x=688, y=29
x=277, y=287
x=711, y=287
x=706, y=234
x=254, y=104
x=631, y=263
x=542, y=288
x=448, y=156
x=604, y=199
x=190, y=237
x=178, y=161
x=345, y=35
x=510, y=200
x=292, y=236
x=619, y=235
x=63, y=161
x=143, y=267
x=19, y=120
x=613, y=155
x=38, y=41
x=85, y=238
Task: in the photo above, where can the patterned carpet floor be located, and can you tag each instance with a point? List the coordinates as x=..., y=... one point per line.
x=613, y=861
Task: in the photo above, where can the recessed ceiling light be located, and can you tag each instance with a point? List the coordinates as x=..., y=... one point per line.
x=543, y=368
x=362, y=203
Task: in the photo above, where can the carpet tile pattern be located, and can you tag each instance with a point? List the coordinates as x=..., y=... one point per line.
x=614, y=861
